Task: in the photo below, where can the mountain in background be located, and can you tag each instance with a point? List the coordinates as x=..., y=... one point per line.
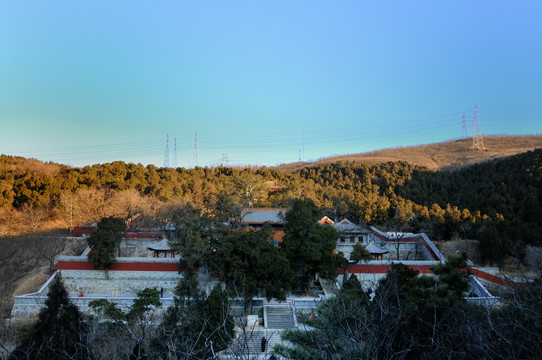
x=448, y=155
x=493, y=196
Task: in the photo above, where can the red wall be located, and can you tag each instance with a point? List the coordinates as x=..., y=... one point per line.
x=128, y=266
x=382, y=269
x=79, y=231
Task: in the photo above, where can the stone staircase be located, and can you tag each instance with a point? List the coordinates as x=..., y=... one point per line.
x=253, y=343
x=249, y=345
x=279, y=317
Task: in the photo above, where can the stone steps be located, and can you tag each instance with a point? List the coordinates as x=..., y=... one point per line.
x=254, y=342
x=251, y=345
x=279, y=317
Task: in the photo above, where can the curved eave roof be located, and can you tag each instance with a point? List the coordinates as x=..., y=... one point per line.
x=375, y=249
x=162, y=245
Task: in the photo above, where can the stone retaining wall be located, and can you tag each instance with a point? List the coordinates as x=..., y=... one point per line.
x=117, y=286
x=27, y=307
x=118, y=283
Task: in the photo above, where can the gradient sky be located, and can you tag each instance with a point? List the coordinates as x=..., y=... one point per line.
x=85, y=82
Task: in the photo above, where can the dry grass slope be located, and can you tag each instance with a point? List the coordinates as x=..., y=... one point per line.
x=448, y=155
x=22, y=164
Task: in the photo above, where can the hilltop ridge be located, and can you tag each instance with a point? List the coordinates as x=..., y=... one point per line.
x=447, y=155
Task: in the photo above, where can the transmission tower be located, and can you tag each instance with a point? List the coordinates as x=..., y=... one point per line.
x=464, y=128
x=303, y=146
x=195, y=158
x=477, y=139
x=166, y=155
x=175, y=154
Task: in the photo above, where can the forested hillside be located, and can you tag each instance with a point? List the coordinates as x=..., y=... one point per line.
x=507, y=189
x=510, y=187
x=498, y=202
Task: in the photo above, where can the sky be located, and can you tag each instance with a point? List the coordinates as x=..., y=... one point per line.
x=261, y=82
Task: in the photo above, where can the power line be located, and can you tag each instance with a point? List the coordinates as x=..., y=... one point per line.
x=175, y=154
x=195, y=158
x=268, y=144
x=477, y=139
x=464, y=128
x=166, y=155
x=303, y=145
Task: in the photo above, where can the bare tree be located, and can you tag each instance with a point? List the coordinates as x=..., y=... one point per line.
x=89, y=205
x=65, y=204
x=33, y=215
x=48, y=248
x=397, y=227
x=126, y=204
x=416, y=249
x=249, y=188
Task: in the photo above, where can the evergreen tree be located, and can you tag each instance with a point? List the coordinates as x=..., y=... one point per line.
x=178, y=336
x=219, y=324
x=493, y=245
x=360, y=253
x=135, y=326
x=453, y=278
x=60, y=332
x=194, y=327
x=197, y=233
x=146, y=299
x=248, y=263
x=408, y=318
x=308, y=245
x=105, y=242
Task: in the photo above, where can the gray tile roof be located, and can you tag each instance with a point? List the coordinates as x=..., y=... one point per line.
x=259, y=216
x=375, y=249
x=345, y=226
x=162, y=245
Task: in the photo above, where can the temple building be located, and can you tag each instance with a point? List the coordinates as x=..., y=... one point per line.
x=254, y=218
x=162, y=249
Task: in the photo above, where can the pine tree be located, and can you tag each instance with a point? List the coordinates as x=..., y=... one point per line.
x=249, y=263
x=308, y=245
x=105, y=241
x=360, y=253
x=182, y=325
x=219, y=324
x=195, y=327
x=59, y=333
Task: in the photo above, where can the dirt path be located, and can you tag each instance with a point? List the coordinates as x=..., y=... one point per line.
x=31, y=282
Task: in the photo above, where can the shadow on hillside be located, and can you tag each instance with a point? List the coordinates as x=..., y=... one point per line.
x=28, y=254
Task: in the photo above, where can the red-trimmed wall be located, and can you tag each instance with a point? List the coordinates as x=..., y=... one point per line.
x=142, y=235
x=128, y=266
x=407, y=240
x=382, y=269
x=494, y=279
x=426, y=269
x=79, y=231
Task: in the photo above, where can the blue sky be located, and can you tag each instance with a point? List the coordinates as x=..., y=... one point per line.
x=84, y=82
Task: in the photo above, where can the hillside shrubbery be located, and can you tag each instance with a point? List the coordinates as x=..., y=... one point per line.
x=502, y=196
